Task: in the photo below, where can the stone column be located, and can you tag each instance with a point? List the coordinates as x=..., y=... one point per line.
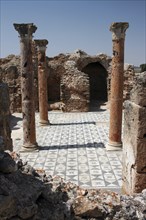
x=116, y=97
x=35, y=72
x=42, y=81
x=27, y=79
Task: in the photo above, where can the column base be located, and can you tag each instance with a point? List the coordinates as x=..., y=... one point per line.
x=114, y=146
x=44, y=122
x=29, y=148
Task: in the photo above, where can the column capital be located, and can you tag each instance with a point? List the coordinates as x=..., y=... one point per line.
x=41, y=44
x=25, y=30
x=118, y=30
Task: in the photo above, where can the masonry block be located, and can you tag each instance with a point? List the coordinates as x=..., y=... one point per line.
x=134, y=140
x=135, y=184
x=134, y=120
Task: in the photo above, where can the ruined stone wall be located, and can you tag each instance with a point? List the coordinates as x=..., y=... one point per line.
x=11, y=75
x=129, y=74
x=60, y=74
x=5, y=132
x=75, y=83
x=134, y=138
x=74, y=89
x=56, y=71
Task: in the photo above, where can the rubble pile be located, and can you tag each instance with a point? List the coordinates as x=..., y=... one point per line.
x=29, y=194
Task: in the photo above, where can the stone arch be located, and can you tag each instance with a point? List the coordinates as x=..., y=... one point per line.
x=98, y=81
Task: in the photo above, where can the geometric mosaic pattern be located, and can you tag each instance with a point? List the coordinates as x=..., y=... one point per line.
x=73, y=147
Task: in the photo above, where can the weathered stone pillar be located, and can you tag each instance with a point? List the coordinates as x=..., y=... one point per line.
x=134, y=138
x=116, y=97
x=35, y=72
x=27, y=79
x=42, y=81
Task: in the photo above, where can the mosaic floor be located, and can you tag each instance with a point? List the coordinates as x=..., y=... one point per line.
x=74, y=148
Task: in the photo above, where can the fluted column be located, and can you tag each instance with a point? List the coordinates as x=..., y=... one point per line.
x=42, y=81
x=116, y=99
x=29, y=132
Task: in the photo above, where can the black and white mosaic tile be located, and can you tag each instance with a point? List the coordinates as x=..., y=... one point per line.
x=74, y=148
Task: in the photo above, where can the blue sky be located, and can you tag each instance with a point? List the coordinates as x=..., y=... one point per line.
x=71, y=25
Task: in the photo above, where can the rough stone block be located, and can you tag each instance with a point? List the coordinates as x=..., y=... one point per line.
x=134, y=157
x=134, y=138
x=136, y=184
x=139, y=181
x=133, y=181
x=134, y=121
x=140, y=156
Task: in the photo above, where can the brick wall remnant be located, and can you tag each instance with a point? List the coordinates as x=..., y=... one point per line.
x=116, y=97
x=134, y=138
x=27, y=79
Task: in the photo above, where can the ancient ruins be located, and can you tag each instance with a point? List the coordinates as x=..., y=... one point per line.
x=58, y=69
x=71, y=83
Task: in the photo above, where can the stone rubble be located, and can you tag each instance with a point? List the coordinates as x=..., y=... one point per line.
x=30, y=194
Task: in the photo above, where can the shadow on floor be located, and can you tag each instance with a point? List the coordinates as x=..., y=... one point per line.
x=97, y=106
x=73, y=123
x=14, y=121
x=88, y=145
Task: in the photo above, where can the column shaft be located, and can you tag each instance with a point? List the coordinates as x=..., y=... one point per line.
x=42, y=81
x=27, y=78
x=116, y=98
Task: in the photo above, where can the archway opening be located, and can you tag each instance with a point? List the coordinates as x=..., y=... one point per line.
x=53, y=89
x=98, y=82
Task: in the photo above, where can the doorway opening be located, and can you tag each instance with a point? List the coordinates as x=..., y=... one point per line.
x=98, y=83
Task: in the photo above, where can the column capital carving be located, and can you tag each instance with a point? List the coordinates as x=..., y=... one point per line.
x=25, y=30
x=41, y=44
x=118, y=30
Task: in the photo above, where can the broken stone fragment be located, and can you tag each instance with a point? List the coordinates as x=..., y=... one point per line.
x=7, y=164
